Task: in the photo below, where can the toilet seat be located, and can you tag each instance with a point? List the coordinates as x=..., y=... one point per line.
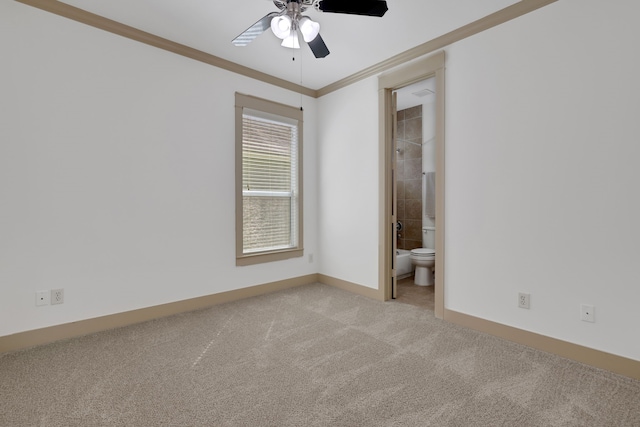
x=423, y=252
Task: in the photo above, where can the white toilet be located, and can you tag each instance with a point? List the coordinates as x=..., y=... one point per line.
x=424, y=259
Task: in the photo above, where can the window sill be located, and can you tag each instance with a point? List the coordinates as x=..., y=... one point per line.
x=260, y=258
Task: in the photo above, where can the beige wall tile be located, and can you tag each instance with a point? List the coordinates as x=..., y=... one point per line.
x=413, y=189
x=413, y=169
x=413, y=112
x=413, y=209
x=411, y=244
x=413, y=128
x=411, y=150
x=413, y=229
x=400, y=190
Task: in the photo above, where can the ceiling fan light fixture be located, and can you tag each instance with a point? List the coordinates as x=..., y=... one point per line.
x=281, y=26
x=291, y=41
x=309, y=29
x=286, y=23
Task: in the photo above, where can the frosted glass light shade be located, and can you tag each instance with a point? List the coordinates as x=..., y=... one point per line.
x=308, y=28
x=281, y=26
x=291, y=41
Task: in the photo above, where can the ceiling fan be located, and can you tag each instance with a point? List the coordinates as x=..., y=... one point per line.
x=289, y=21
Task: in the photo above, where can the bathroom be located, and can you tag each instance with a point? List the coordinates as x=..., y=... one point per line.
x=415, y=172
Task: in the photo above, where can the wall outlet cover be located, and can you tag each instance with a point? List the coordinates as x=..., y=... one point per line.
x=524, y=300
x=587, y=313
x=57, y=296
x=42, y=298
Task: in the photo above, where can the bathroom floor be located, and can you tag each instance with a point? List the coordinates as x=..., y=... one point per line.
x=410, y=293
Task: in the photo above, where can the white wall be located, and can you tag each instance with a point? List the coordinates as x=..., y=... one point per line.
x=116, y=165
x=117, y=171
x=429, y=135
x=542, y=173
x=428, y=153
x=348, y=183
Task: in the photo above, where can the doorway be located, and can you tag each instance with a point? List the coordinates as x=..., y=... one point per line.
x=414, y=191
x=431, y=67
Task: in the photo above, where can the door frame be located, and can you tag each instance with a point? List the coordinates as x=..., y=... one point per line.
x=432, y=66
x=394, y=195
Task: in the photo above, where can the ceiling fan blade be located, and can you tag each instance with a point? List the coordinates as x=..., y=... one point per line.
x=318, y=47
x=355, y=7
x=255, y=30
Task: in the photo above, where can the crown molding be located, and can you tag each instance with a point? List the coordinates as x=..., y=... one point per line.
x=79, y=15
x=508, y=13
x=500, y=17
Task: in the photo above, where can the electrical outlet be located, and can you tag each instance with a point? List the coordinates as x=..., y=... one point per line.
x=523, y=300
x=587, y=313
x=42, y=298
x=310, y=258
x=57, y=296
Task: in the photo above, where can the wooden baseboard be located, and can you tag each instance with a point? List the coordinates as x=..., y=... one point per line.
x=589, y=356
x=599, y=359
x=352, y=287
x=89, y=326
x=596, y=358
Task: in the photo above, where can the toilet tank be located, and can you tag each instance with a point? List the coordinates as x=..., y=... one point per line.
x=429, y=237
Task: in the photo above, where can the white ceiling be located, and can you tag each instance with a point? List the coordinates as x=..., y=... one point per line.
x=355, y=42
x=419, y=93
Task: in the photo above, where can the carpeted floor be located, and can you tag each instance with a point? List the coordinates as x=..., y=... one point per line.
x=309, y=356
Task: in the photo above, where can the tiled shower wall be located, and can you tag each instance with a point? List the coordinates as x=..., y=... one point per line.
x=409, y=177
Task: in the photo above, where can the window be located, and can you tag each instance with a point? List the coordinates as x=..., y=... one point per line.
x=268, y=181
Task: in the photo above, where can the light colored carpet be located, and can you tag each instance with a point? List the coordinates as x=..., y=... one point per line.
x=309, y=356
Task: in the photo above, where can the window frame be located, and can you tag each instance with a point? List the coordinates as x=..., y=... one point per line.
x=243, y=101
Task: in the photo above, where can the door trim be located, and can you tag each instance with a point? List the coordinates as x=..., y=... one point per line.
x=432, y=66
x=394, y=194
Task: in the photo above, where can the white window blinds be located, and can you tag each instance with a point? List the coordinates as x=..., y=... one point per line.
x=269, y=182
